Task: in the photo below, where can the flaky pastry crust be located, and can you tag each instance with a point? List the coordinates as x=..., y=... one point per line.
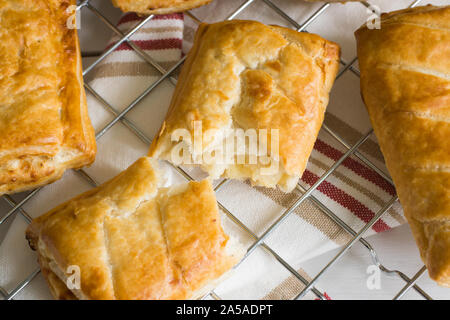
x=405, y=83
x=132, y=239
x=243, y=75
x=44, y=123
x=158, y=6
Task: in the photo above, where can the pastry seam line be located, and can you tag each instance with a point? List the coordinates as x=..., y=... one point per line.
x=425, y=71
x=110, y=267
x=173, y=264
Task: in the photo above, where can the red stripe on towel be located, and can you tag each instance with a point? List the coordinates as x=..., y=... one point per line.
x=345, y=200
x=355, y=166
x=159, y=44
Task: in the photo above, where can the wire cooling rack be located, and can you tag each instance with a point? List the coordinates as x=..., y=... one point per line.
x=259, y=241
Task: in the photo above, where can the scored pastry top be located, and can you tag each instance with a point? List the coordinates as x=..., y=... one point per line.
x=246, y=75
x=44, y=123
x=405, y=83
x=134, y=240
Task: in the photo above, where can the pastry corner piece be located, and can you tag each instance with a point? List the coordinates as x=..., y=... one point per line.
x=405, y=85
x=249, y=102
x=158, y=6
x=132, y=239
x=44, y=123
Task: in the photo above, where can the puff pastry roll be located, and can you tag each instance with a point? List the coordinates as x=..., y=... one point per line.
x=269, y=82
x=44, y=123
x=132, y=239
x=158, y=6
x=405, y=82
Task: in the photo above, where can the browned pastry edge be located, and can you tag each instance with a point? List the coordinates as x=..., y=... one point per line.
x=405, y=85
x=299, y=112
x=57, y=287
x=35, y=168
x=163, y=7
x=132, y=239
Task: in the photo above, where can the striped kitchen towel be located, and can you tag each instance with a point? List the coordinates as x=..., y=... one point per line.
x=354, y=192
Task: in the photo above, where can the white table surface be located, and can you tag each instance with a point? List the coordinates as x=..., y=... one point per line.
x=345, y=280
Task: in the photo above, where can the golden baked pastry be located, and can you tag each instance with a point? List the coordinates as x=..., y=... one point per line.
x=405, y=83
x=132, y=239
x=44, y=123
x=158, y=6
x=244, y=76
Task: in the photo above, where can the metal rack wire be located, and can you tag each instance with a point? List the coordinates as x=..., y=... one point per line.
x=259, y=241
